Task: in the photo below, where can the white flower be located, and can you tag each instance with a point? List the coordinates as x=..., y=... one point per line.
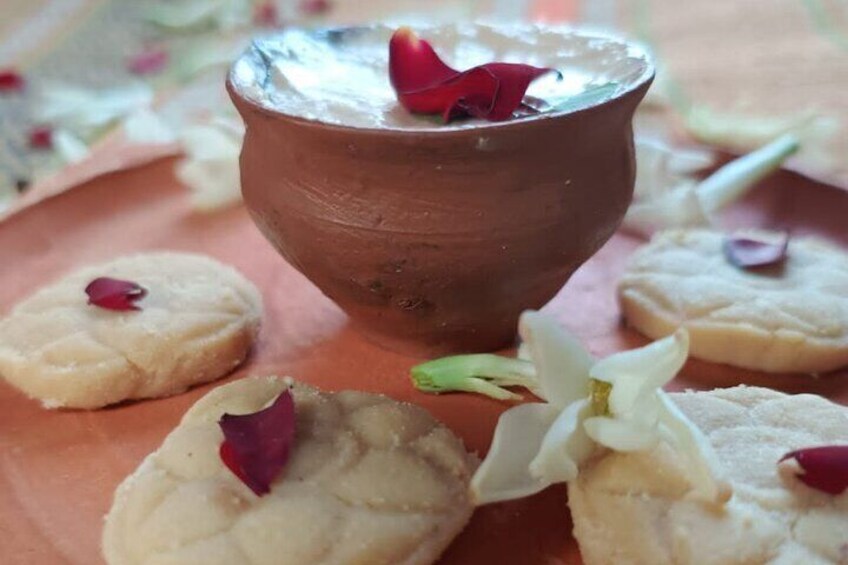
x=616, y=403
x=690, y=204
x=211, y=166
x=187, y=15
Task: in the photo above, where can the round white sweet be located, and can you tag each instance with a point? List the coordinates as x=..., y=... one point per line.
x=197, y=322
x=369, y=480
x=631, y=508
x=788, y=319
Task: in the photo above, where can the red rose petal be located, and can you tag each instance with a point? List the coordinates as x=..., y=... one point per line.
x=266, y=14
x=424, y=84
x=825, y=468
x=41, y=137
x=315, y=7
x=149, y=61
x=748, y=253
x=256, y=446
x=114, y=294
x=11, y=81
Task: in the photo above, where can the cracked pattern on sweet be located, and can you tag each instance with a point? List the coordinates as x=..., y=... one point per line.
x=771, y=519
x=369, y=481
x=197, y=322
x=791, y=318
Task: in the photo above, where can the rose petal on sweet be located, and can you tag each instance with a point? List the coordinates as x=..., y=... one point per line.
x=414, y=64
x=505, y=472
x=257, y=446
x=114, y=294
x=825, y=467
x=148, y=61
x=11, y=81
x=748, y=252
x=41, y=137
x=562, y=364
x=265, y=14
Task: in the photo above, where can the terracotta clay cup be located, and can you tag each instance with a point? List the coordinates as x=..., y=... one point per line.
x=434, y=241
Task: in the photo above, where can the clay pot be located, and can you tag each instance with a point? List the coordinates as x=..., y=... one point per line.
x=435, y=241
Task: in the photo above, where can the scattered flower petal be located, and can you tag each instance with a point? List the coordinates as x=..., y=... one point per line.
x=41, y=137
x=266, y=14
x=149, y=61
x=144, y=126
x=69, y=147
x=86, y=112
x=424, y=84
x=211, y=167
x=11, y=81
x=824, y=468
x=185, y=15
x=256, y=446
x=505, y=472
x=315, y=7
x=748, y=252
x=694, y=205
x=114, y=294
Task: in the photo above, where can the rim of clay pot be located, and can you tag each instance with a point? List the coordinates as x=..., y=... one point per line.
x=643, y=80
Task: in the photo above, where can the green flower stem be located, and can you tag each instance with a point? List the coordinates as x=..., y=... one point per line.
x=482, y=373
x=732, y=180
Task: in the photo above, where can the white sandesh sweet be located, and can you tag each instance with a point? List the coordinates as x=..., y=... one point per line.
x=687, y=203
x=615, y=403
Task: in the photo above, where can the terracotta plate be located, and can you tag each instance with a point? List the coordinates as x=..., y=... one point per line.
x=58, y=470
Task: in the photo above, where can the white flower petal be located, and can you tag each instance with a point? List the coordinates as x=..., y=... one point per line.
x=621, y=435
x=638, y=372
x=677, y=208
x=662, y=167
x=562, y=365
x=704, y=466
x=566, y=445
x=68, y=146
x=505, y=474
x=145, y=126
x=83, y=111
x=211, y=166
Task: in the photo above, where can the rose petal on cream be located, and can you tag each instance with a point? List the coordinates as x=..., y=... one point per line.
x=748, y=252
x=562, y=364
x=639, y=372
x=513, y=80
x=414, y=64
x=41, y=137
x=825, y=468
x=565, y=446
x=505, y=473
x=256, y=446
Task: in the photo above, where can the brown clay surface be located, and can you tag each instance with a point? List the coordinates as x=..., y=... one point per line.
x=58, y=469
x=429, y=242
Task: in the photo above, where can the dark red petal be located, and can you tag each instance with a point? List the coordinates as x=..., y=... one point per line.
x=315, y=7
x=148, y=61
x=514, y=79
x=114, y=294
x=414, y=65
x=256, y=446
x=41, y=137
x=265, y=14
x=457, y=97
x=11, y=81
x=749, y=253
x=825, y=468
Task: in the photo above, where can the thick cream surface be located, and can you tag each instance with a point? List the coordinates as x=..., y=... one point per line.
x=340, y=76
